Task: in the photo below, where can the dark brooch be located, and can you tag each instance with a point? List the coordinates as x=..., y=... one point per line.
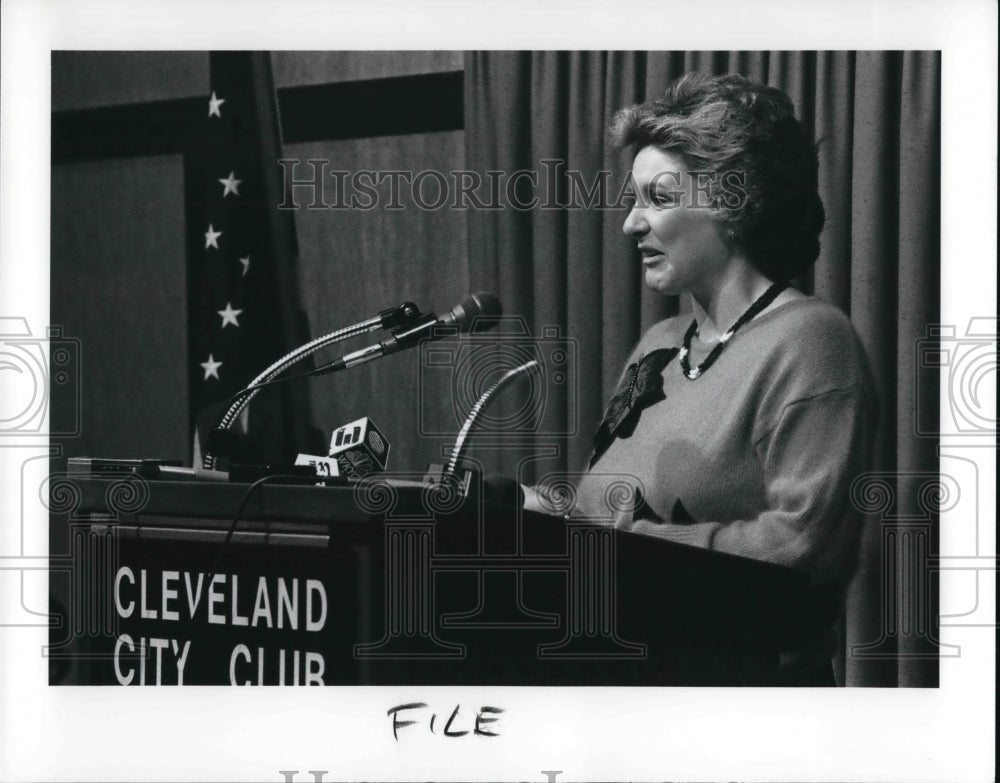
x=641, y=387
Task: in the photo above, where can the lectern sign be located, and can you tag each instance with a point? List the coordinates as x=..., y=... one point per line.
x=179, y=605
x=392, y=583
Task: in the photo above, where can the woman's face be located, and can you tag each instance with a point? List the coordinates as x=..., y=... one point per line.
x=681, y=245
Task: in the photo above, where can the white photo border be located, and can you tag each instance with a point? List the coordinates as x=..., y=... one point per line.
x=85, y=733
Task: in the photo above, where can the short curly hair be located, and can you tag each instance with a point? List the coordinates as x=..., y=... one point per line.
x=730, y=124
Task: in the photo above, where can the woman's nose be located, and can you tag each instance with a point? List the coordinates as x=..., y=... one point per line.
x=635, y=222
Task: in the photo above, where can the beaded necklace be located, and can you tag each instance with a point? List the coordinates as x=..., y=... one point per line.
x=762, y=301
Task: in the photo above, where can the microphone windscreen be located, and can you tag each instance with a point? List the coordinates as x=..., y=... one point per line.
x=478, y=312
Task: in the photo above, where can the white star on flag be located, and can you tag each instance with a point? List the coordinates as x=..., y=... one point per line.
x=211, y=368
x=229, y=316
x=246, y=265
x=214, y=104
x=230, y=185
x=212, y=238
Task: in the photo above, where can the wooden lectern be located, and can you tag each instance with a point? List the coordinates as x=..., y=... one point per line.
x=390, y=582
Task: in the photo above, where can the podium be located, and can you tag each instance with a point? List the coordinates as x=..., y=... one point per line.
x=389, y=582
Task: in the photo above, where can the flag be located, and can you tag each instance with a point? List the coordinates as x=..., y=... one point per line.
x=244, y=309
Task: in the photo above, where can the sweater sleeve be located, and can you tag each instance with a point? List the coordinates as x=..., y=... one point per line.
x=809, y=459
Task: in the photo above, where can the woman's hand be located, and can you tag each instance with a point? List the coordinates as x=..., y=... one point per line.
x=532, y=501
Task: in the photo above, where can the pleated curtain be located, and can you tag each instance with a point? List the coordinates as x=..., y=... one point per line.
x=876, y=117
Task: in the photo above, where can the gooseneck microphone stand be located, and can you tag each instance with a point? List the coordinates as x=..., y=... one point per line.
x=481, y=403
x=387, y=319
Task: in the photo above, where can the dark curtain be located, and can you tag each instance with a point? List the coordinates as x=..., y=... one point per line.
x=876, y=116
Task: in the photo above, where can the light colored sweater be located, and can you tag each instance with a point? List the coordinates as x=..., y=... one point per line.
x=755, y=457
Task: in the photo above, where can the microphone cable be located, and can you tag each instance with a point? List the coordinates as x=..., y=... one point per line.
x=239, y=513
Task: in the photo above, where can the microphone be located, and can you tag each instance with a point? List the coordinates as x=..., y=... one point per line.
x=390, y=318
x=477, y=312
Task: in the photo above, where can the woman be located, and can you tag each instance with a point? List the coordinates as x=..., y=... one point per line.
x=740, y=425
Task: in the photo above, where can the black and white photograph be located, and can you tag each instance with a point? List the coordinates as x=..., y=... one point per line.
x=605, y=406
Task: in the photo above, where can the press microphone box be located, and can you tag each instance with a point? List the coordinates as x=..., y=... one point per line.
x=359, y=448
x=323, y=466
